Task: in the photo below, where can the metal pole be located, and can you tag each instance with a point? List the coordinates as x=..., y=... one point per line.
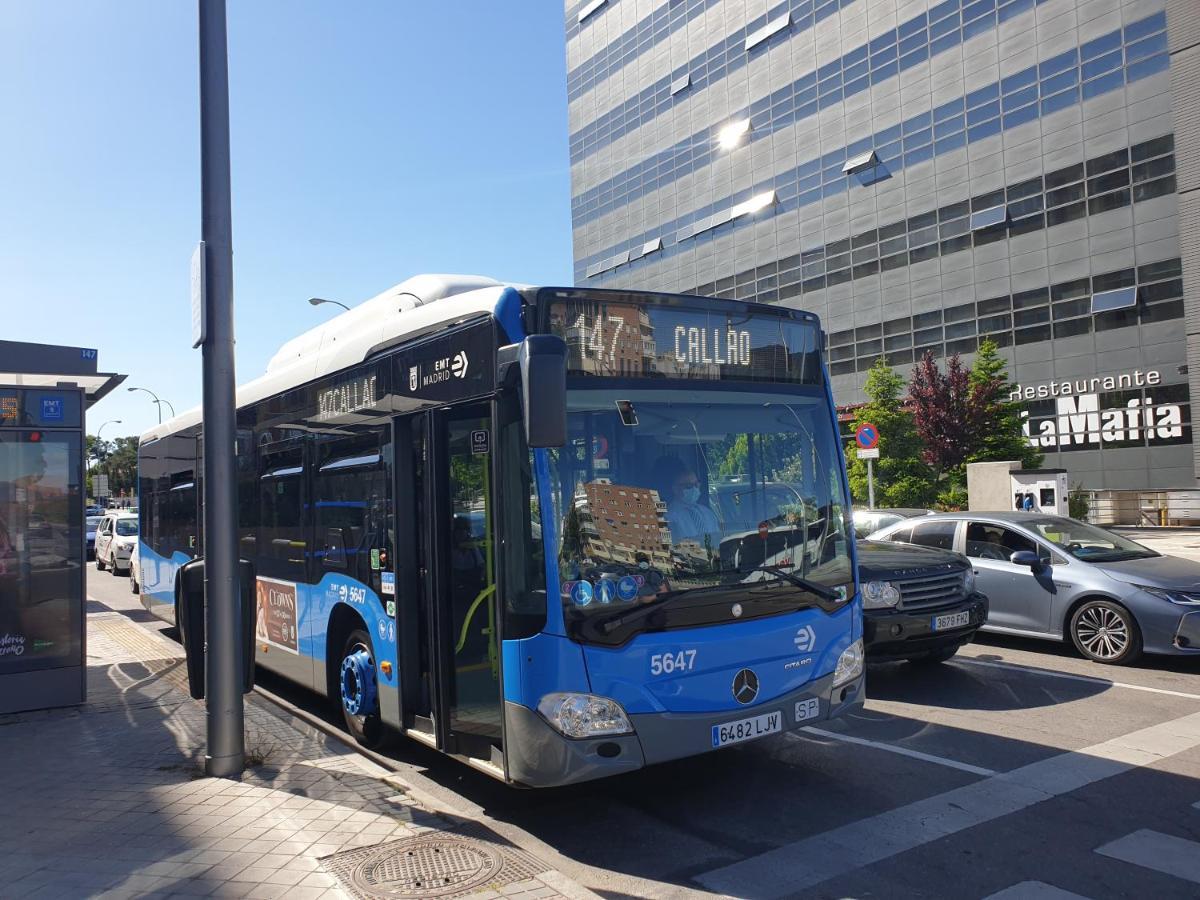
x=223, y=685
x=870, y=484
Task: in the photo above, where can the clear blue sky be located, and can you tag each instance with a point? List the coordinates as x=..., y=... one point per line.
x=371, y=141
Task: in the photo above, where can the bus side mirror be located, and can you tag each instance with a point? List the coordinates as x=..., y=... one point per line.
x=189, y=614
x=543, y=362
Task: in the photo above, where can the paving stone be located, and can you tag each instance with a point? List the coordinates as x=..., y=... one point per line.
x=110, y=799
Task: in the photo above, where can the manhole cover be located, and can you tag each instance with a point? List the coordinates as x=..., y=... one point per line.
x=426, y=867
x=447, y=864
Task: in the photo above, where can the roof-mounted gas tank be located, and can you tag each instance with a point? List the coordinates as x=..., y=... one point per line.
x=366, y=324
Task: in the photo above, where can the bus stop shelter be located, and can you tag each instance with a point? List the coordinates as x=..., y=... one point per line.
x=45, y=392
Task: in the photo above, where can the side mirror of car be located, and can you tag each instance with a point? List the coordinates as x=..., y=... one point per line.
x=1025, y=558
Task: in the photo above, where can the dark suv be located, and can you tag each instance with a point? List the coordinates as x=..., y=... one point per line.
x=919, y=603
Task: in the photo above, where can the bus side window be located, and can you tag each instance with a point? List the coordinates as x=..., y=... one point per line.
x=281, y=533
x=247, y=495
x=351, y=504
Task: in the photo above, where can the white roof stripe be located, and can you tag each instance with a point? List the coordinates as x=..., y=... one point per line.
x=413, y=307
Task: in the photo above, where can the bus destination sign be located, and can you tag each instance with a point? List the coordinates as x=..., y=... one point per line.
x=627, y=335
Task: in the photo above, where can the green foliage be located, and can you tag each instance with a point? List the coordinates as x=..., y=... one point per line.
x=952, y=498
x=572, y=536
x=999, y=435
x=1078, y=504
x=901, y=477
x=118, y=460
x=736, y=457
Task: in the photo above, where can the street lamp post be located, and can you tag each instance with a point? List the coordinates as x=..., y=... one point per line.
x=222, y=594
x=317, y=301
x=97, y=447
x=158, y=403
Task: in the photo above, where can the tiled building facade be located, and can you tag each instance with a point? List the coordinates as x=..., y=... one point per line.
x=922, y=176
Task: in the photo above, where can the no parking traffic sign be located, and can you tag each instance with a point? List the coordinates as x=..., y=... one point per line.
x=867, y=438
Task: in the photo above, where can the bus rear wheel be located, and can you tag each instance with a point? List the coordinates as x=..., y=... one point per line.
x=358, y=690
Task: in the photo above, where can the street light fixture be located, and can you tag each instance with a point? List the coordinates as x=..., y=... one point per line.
x=97, y=445
x=101, y=428
x=317, y=301
x=158, y=403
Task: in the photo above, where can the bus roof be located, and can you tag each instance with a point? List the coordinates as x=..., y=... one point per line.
x=416, y=306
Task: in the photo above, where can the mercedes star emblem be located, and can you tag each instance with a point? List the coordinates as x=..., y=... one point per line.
x=745, y=686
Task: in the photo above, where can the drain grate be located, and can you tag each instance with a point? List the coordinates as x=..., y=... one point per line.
x=445, y=865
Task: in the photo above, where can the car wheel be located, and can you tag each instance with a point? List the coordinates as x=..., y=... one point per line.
x=937, y=656
x=134, y=587
x=99, y=563
x=358, y=691
x=1105, y=632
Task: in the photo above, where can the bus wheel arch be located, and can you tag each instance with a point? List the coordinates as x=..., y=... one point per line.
x=350, y=676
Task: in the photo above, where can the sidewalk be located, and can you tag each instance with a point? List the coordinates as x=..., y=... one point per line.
x=110, y=799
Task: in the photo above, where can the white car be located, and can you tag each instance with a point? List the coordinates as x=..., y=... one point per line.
x=116, y=537
x=135, y=572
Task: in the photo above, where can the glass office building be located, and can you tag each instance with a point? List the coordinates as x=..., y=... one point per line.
x=922, y=176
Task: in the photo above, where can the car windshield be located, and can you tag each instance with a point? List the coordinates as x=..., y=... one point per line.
x=1087, y=542
x=127, y=527
x=660, y=493
x=93, y=521
x=868, y=521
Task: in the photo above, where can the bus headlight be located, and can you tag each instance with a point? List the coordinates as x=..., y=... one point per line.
x=584, y=715
x=880, y=595
x=849, y=664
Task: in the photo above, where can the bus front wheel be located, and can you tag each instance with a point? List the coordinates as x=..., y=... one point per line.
x=358, y=690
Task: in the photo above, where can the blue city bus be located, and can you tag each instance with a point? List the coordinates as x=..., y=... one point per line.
x=559, y=533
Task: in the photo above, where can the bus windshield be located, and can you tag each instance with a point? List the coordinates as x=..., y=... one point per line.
x=718, y=503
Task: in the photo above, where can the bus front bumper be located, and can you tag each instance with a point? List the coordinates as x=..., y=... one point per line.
x=538, y=756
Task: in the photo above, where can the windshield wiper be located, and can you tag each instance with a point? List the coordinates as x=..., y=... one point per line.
x=608, y=626
x=811, y=586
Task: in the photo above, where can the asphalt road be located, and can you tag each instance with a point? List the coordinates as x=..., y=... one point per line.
x=1016, y=770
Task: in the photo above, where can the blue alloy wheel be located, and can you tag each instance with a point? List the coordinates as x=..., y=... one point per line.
x=358, y=683
x=358, y=689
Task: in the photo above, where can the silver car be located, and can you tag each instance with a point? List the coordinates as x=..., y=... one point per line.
x=1058, y=578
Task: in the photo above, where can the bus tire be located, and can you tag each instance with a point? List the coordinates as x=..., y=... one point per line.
x=358, y=694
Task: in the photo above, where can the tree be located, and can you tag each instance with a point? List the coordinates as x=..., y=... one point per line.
x=998, y=434
x=119, y=463
x=942, y=408
x=902, y=477
x=571, y=547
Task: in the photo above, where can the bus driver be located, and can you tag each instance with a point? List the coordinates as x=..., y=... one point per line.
x=687, y=517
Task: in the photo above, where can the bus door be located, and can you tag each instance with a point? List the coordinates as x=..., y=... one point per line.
x=446, y=601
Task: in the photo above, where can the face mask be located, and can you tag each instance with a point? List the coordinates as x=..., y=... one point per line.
x=691, y=494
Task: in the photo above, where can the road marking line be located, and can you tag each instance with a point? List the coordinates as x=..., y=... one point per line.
x=901, y=751
x=1161, y=852
x=1091, y=679
x=1034, y=890
x=792, y=868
